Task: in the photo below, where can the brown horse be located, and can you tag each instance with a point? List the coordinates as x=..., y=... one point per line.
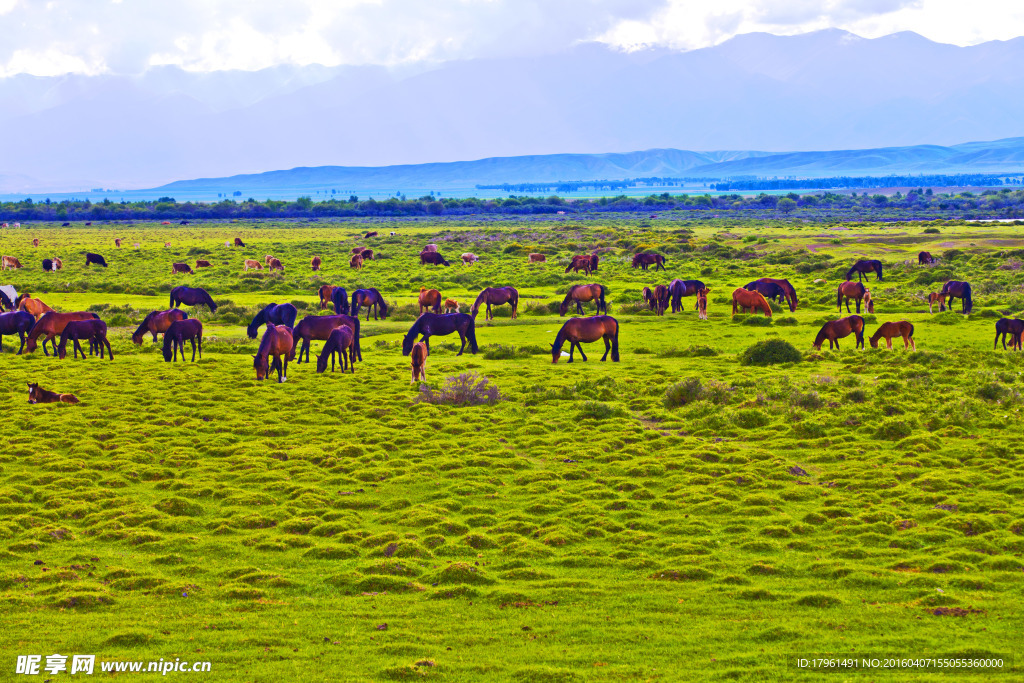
x=788, y=290
x=580, y=294
x=755, y=301
x=201, y=263
x=267, y=258
x=37, y=394
x=433, y=258
x=451, y=306
x=319, y=327
x=419, y=355
x=935, y=297
x=358, y=250
x=277, y=342
x=52, y=324
x=925, y=258
x=898, y=329
x=181, y=268
x=856, y=291
x=325, y=292
x=342, y=343
x=371, y=298
x=93, y=330
x=469, y=258
x=157, y=322
x=275, y=264
x=34, y=306
x=367, y=254
x=538, y=258
x=837, y=329
x=496, y=296
x=356, y=262
x=239, y=242
x=648, y=295
x=576, y=330
x=580, y=262
x=702, y=303
x=646, y=260
x=372, y=233
x=430, y=300
x=315, y=263
x=661, y=295
x=35, y=242
x=252, y=263
x=117, y=242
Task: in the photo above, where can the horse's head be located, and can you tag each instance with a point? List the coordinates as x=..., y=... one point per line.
x=321, y=361
x=62, y=351
x=33, y=392
x=262, y=366
x=556, y=351
x=30, y=344
x=407, y=343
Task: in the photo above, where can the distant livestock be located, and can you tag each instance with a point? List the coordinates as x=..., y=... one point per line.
x=203, y=264
x=430, y=247
x=433, y=258
x=37, y=394
x=468, y=258
x=251, y=263
x=902, y=329
x=239, y=242
x=538, y=258
x=367, y=254
x=315, y=263
x=181, y=268
x=372, y=233
x=117, y=242
x=925, y=258
x=645, y=260
x=94, y=258
x=451, y=306
x=418, y=356
x=275, y=264
x=356, y=261
x=10, y=263
x=35, y=242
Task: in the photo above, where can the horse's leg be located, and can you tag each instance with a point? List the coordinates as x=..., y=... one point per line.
x=888, y=343
x=426, y=340
x=607, y=347
x=582, y=355
x=193, y=349
x=21, y=348
x=463, y=338
x=285, y=361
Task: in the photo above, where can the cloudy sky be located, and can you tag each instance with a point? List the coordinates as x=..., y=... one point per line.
x=49, y=37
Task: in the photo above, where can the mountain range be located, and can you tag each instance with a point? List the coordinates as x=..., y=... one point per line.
x=828, y=90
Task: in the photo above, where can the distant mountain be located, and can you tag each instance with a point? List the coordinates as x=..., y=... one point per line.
x=824, y=90
x=972, y=157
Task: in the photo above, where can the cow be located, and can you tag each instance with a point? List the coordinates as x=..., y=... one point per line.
x=252, y=263
x=538, y=258
x=367, y=254
x=372, y=233
x=430, y=247
x=275, y=264
x=266, y=259
x=94, y=258
x=181, y=268
x=433, y=258
x=356, y=261
x=469, y=258
x=10, y=263
x=203, y=264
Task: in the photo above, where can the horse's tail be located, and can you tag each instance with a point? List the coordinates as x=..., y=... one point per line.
x=171, y=305
x=615, y=343
x=95, y=316
x=968, y=304
x=839, y=298
x=879, y=270
x=604, y=306
x=471, y=334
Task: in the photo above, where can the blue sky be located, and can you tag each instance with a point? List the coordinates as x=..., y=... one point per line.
x=50, y=37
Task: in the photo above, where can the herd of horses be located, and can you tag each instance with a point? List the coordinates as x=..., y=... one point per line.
x=286, y=340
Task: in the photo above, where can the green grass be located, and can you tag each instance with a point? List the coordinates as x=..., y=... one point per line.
x=674, y=516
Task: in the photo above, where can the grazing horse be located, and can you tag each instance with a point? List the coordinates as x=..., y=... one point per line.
x=580, y=262
x=372, y=233
x=788, y=290
x=898, y=329
x=239, y=242
x=181, y=268
x=702, y=304
x=356, y=262
x=357, y=250
x=743, y=299
x=319, y=327
x=956, y=289
x=192, y=296
x=430, y=300
x=117, y=242
x=577, y=330
x=276, y=342
x=451, y=306
x=769, y=290
x=677, y=289
x=177, y=334
x=157, y=322
x=339, y=297
x=370, y=298
x=538, y=258
x=925, y=258
x=433, y=258
x=16, y=322
x=274, y=314
x=418, y=356
x=495, y=296
x=9, y=263
x=325, y=293
x=37, y=394
x=646, y=260
x=201, y=263
x=579, y=294
x=856, y=291
x=52, y=324
x=252, y=263
x=863, y=267
x=93, y=330
x=430, y=324
x=339, y=342
x=34, y=307
x=469, y=258
x=835, y=330
x=661, y=298
x=94, y=258
x=8, y=297
x=35, y=242
x=275, y=264
x=315, y=263
x=648, y=294
x=935, y=297
x=367, y=254
x=1004, y=326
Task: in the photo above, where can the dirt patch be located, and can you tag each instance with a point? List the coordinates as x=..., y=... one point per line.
x=955, y=611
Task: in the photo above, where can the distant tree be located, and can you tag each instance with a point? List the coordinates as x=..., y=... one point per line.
x=785, y=205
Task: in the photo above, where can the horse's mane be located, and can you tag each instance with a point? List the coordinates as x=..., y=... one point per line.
x=415, y=329
x=142, y=328
x=479, y=299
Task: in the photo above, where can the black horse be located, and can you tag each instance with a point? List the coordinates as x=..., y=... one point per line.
x=370, y=298
x=16, y=322
x=340, y=298
x=94, y=258
x=769, y=290
x=430, y=324
x=276, y=314
x=180, y=332
x=191, y=296
x=925, y=258
x=1009, y=326
x=956, y=289
x=5, y=302
x=677, y=289
x=863, y=267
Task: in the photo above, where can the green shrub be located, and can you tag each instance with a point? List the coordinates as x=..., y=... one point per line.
x=770, y=352
x=788, y=320
x=595, y=410
x=757, y=321
x=751, y=418
x=692, y=389
x=932, y=231
x=808, y=401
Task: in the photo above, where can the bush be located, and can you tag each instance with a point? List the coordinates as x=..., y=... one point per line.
x=789, y=320
x=770, y=352
x=468, y=389
x=757, y=321
x=894, y=430
x=993, y=392
x=931, y=231
x=808, y=401
x=595, y=410
x=697, y=350
x=857, y=396
x=751, y=418
x=691, y=389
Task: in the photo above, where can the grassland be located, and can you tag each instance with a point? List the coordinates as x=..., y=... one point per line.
x=581, y=528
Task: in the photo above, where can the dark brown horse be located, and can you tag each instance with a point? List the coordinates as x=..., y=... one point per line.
x=177, y=334
x=677, y=289
x=430, y=300
x=956, y=289
x=496, y=296
x=94, y=258
x=52, y=324
x=319, y=327
x=787, y=289
x=75, y=330
x=769, y=290
x=370, y=298
x=342, y=343
x=856, y=291
x=897, y=329
x=37, y=394
x=325, y=293
x=192, y=296
x=925, y=258
x=157, y=322
x=646, y=260
x=239, y=242
x=16, y=322
x=181, y=268
x=1009, y=326
x=579, y=294
x=577, y=330
x=433, y=258
x=585, y=262
x=648, y=295
x=315, y=263
x=661, y=296
x=863, y=267
x=837, y=329
x=276, y=342
x=431, y=324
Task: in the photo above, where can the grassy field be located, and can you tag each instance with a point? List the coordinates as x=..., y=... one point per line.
x=674, y=516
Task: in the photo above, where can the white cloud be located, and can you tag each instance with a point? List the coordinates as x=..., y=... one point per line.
x=127, y=36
